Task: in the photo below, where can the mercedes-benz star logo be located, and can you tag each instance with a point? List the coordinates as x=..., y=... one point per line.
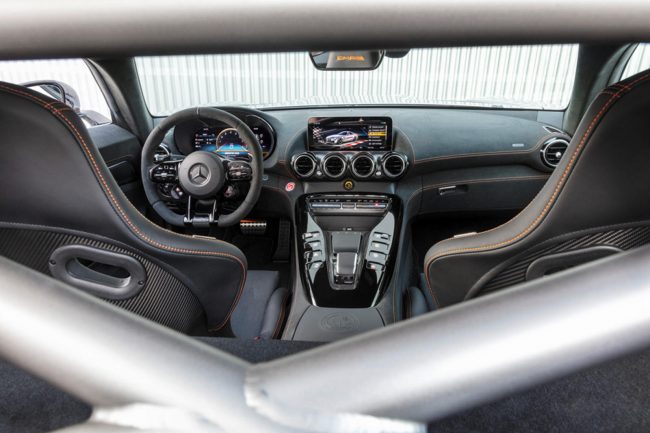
x=199, y=174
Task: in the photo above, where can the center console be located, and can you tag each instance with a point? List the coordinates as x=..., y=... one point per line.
x=347, y=231
x=347, y=244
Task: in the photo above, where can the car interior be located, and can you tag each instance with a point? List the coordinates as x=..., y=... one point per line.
x=302, y=215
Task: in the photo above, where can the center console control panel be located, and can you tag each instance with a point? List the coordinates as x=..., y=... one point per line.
x=348, y=205
x=346, y=247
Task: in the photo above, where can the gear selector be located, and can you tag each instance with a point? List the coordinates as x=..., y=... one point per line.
x=345, y=257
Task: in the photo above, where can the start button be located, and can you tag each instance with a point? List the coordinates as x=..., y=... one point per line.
x=348, y=185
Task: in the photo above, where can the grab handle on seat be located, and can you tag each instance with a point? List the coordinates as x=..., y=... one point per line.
x=106, y=274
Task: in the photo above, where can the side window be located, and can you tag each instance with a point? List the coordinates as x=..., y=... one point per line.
x=73, y=76
x=639, y=61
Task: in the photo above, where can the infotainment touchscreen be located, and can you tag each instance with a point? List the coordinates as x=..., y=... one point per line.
x=349, y=133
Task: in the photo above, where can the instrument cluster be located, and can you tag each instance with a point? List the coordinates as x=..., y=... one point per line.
x=222, y=139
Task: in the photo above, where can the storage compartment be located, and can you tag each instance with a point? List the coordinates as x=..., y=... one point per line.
x=330, y=324
x=479, y=195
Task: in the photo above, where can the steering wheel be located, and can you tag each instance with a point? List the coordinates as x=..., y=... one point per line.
x=202, y=177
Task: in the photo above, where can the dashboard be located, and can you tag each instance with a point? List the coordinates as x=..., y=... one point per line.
x=446, y=159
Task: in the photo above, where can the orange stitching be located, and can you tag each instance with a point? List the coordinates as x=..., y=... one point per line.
x=106, y=188
x=475, y=154
x=558, y=187
x=532, y=150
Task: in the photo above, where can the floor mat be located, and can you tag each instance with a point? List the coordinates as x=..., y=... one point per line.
x=610, y=398
x=31, y=405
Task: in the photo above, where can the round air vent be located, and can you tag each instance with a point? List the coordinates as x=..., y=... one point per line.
x=304, y=164
x=363, y=165
x=553, y=150
x=334, y=165
x=394, y=165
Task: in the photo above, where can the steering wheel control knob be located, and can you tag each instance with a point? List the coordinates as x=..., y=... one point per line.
x=201, y=174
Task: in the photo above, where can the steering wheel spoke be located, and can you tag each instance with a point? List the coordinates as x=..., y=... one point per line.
x=195, y=218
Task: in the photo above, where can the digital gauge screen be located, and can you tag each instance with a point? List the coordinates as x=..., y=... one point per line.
x=227, y=142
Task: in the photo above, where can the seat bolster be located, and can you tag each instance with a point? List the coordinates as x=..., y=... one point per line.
x=274, y=314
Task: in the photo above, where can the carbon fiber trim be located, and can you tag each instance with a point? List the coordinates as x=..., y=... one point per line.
x=164, y=299
x=515, y=273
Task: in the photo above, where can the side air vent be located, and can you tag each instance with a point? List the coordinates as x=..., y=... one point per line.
x=363, y=166
x=162, y=153
x=304, y=165
x=334, y=165
x=394, y=165
x=553, y=151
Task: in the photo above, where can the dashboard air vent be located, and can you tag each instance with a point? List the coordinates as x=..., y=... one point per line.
x=363, y=166
x=394, y=165
x=553, y=151
x=304, y=165
x=334, y=165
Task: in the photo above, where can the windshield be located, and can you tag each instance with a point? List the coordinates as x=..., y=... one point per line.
x=531, y=77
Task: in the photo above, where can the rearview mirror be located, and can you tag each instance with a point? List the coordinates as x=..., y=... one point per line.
x=346, y=60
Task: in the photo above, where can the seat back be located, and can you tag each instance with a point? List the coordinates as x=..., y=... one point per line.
x=58, y=192
x=594, y=204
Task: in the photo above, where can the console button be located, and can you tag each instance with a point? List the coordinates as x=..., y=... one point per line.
x=314, y=245
x=314, y=256
x=375, y=205
x=326, y=205
x=379, y=246
x=310, y=235
x=377, y=257
x=375, y=267
x=381, y=236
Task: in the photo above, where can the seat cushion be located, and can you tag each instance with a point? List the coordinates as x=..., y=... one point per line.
x=261, y=308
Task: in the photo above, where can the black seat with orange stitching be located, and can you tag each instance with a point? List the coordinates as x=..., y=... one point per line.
x=596, y=203
x=62, y=213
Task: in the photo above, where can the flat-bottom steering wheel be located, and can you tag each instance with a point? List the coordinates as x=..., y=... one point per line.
x=202, y=176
